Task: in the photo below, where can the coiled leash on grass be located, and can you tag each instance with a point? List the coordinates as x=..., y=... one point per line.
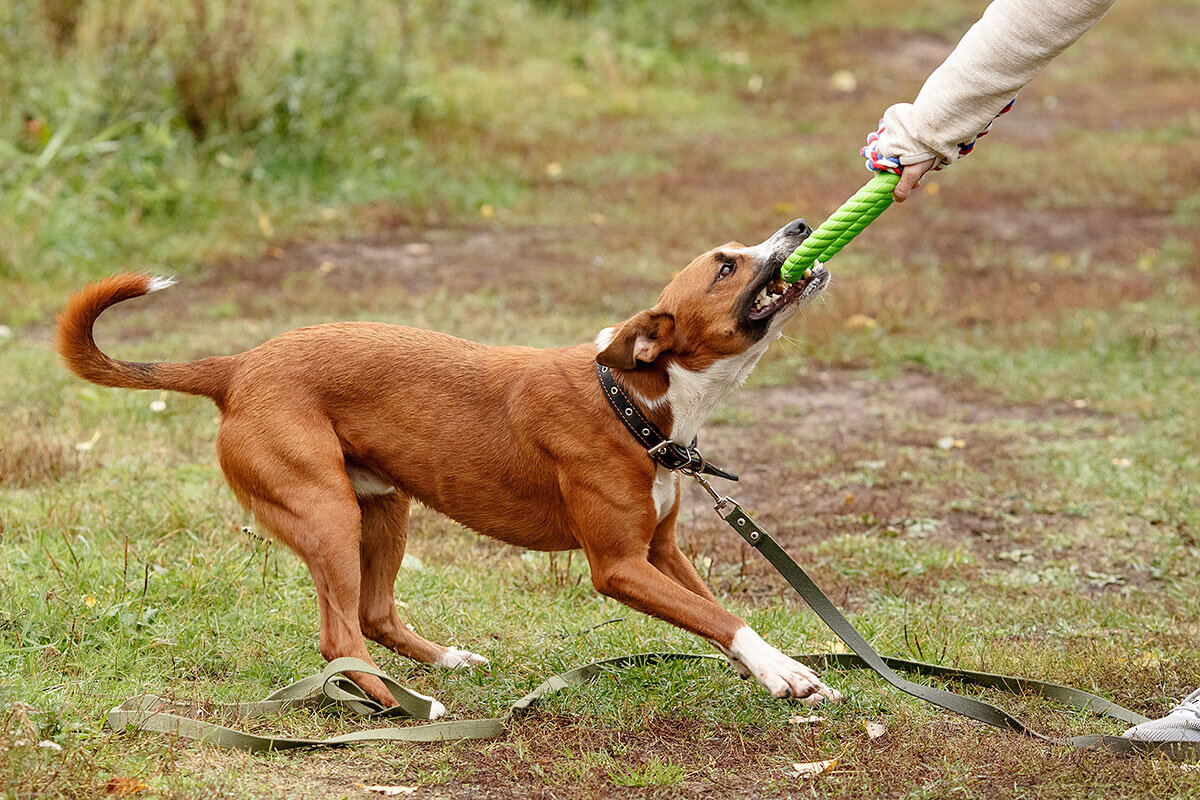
x=333, y=687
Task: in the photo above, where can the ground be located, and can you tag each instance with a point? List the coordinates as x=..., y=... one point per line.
x=984, y=445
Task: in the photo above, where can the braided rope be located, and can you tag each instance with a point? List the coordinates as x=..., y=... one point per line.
x=878, y=162
x=847, y=222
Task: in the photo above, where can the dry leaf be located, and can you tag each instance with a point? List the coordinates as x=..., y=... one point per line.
x=860, y=322
x=264, y=225
x=83, y=447
x=487, y=211
x=390, y=791
x=849, y=499
x=554, y=170
x=798, y=720
x=124, y=787
x=815, y=768
x=1121, y=462
x=843, y=81
x=874, y=729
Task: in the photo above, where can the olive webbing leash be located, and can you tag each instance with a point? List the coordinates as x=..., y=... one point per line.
x=333, y=687
x=864, y=656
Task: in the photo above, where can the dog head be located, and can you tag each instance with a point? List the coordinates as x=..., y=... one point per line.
x=729, y=302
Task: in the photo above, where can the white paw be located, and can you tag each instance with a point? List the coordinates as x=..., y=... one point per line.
x=454, y=658
x=782, y=676
x=436, y=710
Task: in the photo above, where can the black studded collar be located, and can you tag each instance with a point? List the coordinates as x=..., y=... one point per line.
x=670, y=454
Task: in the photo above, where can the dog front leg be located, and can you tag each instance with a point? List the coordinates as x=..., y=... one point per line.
x=617, y=544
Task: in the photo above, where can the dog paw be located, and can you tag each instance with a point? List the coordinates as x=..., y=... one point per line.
x=455, y=658
x=782, y=676
x=436, y=710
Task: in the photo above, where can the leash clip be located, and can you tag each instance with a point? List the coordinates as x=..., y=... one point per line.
x=720, y=502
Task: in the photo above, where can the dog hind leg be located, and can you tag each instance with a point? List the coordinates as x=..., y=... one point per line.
x=384, y=536
x=289, y=473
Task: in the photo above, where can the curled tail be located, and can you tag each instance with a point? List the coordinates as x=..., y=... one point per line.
x=209, y=377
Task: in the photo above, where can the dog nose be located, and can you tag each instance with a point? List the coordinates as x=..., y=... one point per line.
x=797, y=227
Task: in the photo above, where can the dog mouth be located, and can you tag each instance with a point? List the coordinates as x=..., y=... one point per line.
x=778, y=294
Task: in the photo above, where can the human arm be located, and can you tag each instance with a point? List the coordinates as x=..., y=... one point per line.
x=998, y=56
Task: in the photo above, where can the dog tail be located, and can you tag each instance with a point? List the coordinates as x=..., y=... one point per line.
x=209, y=377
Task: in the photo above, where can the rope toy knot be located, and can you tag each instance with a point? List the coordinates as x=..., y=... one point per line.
x=878, y=162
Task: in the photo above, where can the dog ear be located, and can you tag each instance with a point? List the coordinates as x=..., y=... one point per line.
x=640, y=339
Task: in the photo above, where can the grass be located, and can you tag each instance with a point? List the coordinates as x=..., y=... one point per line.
x=530, y=173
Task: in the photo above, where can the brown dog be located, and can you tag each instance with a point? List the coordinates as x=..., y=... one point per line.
x=329, y=432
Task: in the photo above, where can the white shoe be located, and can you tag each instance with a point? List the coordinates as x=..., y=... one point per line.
x=1181, y=725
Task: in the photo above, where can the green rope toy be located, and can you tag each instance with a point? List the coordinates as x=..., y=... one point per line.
x=847, y=222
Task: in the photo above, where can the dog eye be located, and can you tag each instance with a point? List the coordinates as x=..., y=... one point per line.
x=727, y=269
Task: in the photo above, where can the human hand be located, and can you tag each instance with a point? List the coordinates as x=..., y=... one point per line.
x=910, y=179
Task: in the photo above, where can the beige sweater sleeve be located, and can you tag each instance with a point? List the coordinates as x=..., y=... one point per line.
x=1003, y=51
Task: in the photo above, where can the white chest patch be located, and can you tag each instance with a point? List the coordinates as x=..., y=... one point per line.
x=664, y=491
x=694, y=395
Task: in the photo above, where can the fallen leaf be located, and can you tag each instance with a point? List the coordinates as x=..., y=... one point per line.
x=1121, y=462
x=390, y=791
x=860, y=322
x=265, y=226
x=1080, y=403
x=755, y=84
x=849, y=499
x=815, y=768
x=326, y=267
x=874, y=729
x=597, y=218
x=554, y=170
x=83, y=447
x=811, y=720
x=487, y=211
x=124, y=787
x=843, y=81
